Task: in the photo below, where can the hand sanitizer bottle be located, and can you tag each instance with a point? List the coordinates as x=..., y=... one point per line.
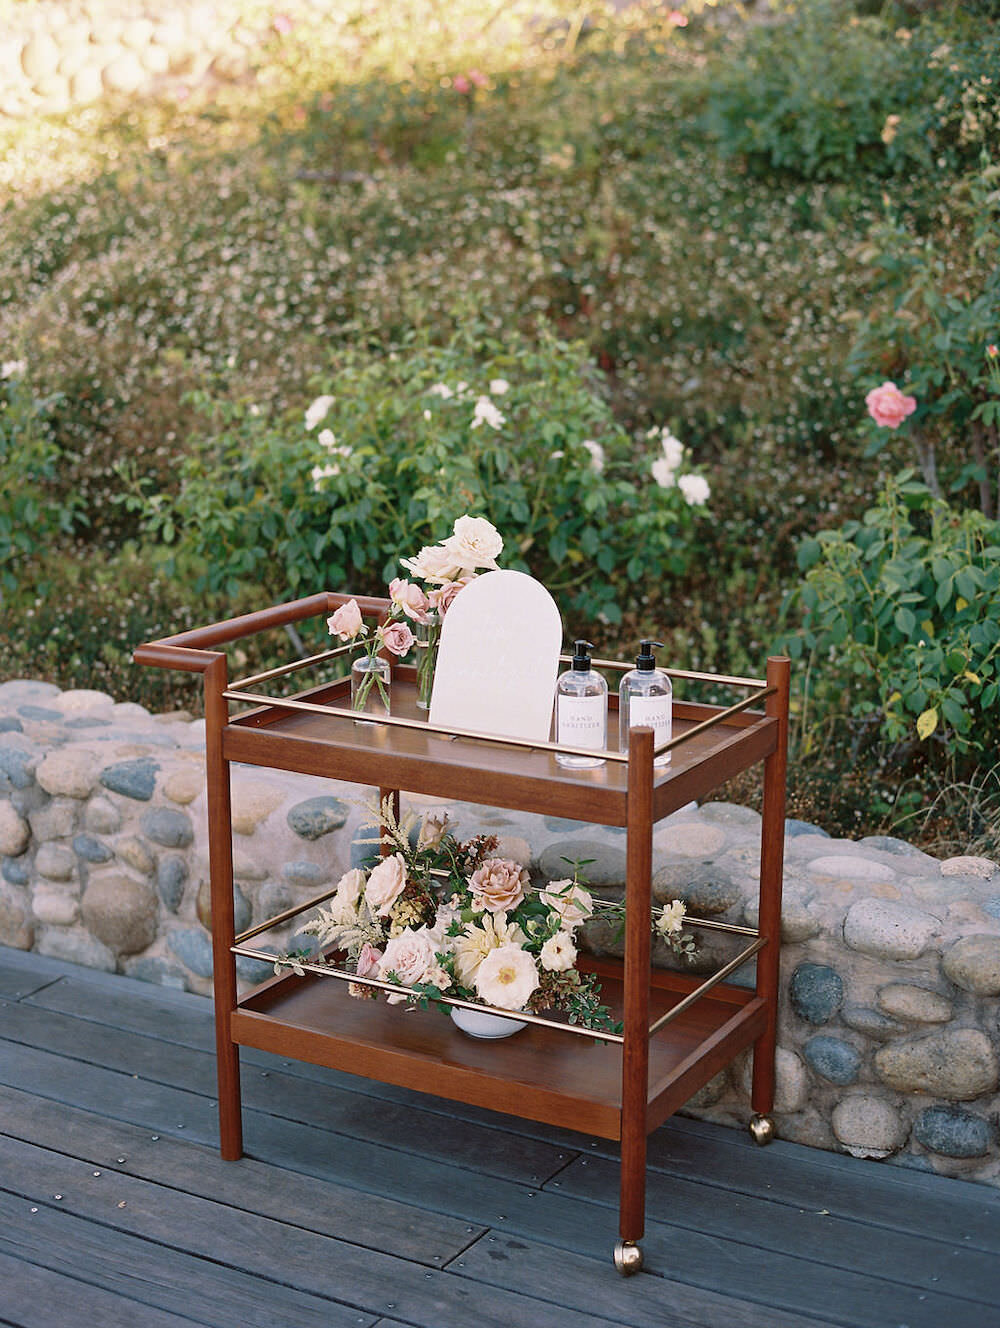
x=581, y=710
x=644, y=701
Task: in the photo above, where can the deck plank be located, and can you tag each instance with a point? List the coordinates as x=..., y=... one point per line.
x=152, y=1277
x=262, y=1250
x=36, y=1297
x=396, y=1209
x=281, y=1094
x=937, y=1266
x=303, y=1201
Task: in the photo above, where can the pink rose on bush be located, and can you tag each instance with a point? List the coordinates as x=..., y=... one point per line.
x=461, y=83
x=498, y=885
x=888, y=407
x=397, y=638
x=410, y=598
x=346, y=622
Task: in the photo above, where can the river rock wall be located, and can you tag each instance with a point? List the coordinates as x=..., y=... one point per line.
x=888, y=1032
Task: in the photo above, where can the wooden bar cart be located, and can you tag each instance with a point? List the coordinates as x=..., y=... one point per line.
x=679, y=1030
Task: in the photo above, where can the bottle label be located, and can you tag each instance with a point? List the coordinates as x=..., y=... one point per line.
x=653, y=712
x=582, y=721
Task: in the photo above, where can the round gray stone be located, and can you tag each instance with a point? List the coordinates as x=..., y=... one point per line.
x=973, y=963
x=871, y=1022
x=273, y=898
x=905, y=1000
x=730, y=813
x=17, y=768
x=15, y=870
x=193, y=948
x=890, y=844
x=76, y=947
x=133, y=779
x=953, y=1132
x=561, y=826
x=168, y=827
x=151, y=968
x=605, y=868
x=91, y=849
x=706, y=888
x=850, y=867
x=308, y=873
x=316, y=817
x=832, y=1058
x=171, y=877
x=816, y=992
x=868, y=1126
x=889, y=930
x=981, y=868
x=41, y=714
x=253, y=970
x=53, y=821
x=28, y=800
x=955, y=1063
x=132, y=851
x=120, y=911
x=10, y=724
x=794, y=828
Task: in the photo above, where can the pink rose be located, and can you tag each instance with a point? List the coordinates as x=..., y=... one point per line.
x=397, y=638
x=478, y=77
x=282, y=24
x=409, y=955
x=368, y=961
x=410, y=598
x=888, y=407
x=385, y=884
x=676, y=19
x=346, y=622
x=461, y=83
x=498, y=885
x=442, y=599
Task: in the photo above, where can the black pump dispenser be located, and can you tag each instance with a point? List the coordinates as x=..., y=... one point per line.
x=581, y=657
x=644, y=661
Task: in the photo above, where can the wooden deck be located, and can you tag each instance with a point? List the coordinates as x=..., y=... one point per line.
x=359, y=1205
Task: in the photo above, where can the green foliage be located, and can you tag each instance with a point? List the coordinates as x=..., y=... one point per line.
x=934, y=318
x=30, y=515
x=901, y=620
x=823, y=93
x=398, y=456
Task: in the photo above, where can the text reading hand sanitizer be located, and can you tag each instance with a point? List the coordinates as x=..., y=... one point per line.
x=645, y=699
x=581, y=710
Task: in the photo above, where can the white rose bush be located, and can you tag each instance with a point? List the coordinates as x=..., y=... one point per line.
x=438, y=919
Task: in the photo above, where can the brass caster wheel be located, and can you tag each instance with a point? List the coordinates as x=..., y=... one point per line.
x=761, y=1130
x=628, y=1257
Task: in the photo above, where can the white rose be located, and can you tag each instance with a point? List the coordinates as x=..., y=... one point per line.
x=487, y=412
x=596, y=455
x=506, y=978
x=474, y=544
x=350, y=886
x=572, y=903
x=317, y=411
x=433, y=563
x=671, y=920
x=558, y=953
x=471, y=949
x=498, y=386
x=695, y=490
x=385, y=884
x=663, y=473
x=673, y=449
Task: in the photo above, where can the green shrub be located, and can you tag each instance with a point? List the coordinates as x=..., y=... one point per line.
x=901, y=620
x=824, y=94
x=30, y=514
x=397, y=455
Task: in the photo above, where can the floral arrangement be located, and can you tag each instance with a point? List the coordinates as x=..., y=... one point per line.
x=445, y=568
x=440, y=918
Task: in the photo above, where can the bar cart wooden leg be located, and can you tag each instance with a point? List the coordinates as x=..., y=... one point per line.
x=220, y=855
x=635, y=1050
x=772, y=849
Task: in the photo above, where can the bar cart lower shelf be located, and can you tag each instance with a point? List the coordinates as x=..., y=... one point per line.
x=678, y=1031
x=537, y=1074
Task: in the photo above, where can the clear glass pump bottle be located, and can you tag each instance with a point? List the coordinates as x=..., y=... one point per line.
x=645, y=699
x=581, y=710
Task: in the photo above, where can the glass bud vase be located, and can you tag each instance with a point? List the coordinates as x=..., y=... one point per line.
x=370, y=685
x=428, y=635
